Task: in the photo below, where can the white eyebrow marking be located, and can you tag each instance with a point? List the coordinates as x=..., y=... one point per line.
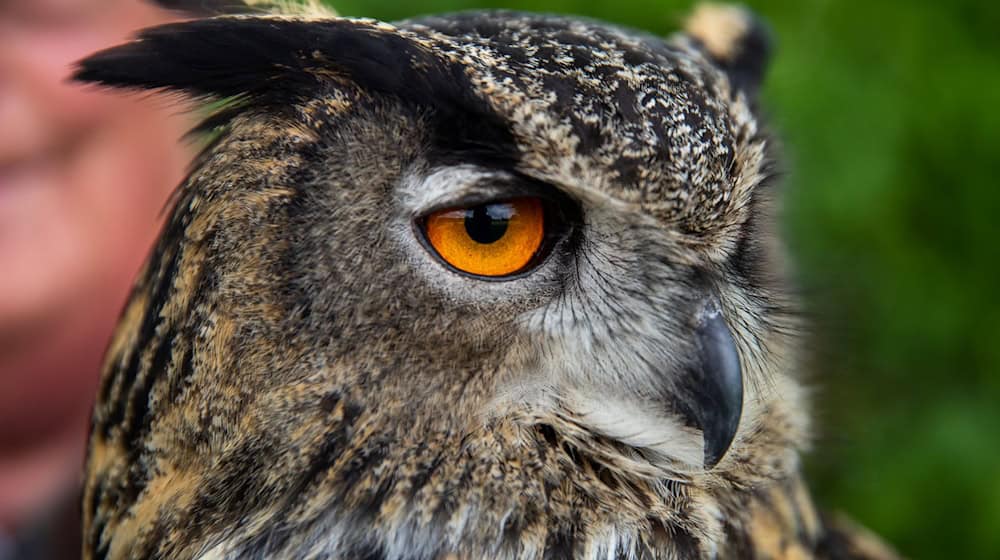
x=423, y=192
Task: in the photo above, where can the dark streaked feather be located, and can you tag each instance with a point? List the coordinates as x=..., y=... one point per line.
x=205, y=7
x=270, y=64
x=270, y=60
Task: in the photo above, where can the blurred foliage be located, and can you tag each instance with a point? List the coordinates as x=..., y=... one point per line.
x=890, y=115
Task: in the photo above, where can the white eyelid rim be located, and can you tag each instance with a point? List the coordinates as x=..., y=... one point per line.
x=442, y=186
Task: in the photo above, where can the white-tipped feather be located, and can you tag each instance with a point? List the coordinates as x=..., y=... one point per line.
x=304, y=8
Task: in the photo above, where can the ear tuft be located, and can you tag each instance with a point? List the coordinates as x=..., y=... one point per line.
x=737, y=41
x=204, y=8
x=275, y=62
x=217, y=57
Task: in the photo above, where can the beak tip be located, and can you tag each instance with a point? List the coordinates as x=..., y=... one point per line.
x=715, y=450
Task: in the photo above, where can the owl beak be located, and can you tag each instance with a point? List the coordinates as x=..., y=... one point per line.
x=716, y=384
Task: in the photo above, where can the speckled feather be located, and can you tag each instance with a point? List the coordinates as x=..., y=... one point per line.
x=295, y=377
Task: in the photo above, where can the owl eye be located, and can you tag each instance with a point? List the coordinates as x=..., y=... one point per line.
x=493, y=240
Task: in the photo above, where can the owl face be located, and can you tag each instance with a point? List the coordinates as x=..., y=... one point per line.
x=425, y=270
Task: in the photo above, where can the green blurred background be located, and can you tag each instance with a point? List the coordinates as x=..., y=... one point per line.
x=890, y=115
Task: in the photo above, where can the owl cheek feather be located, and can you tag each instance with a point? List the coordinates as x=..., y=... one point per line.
x=712, y=393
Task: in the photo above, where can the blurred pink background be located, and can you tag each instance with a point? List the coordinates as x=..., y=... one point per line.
x=84, y=176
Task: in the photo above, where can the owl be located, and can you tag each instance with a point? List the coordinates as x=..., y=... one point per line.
x=489, y=285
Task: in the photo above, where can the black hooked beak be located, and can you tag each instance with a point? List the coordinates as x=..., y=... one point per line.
x=715, y=386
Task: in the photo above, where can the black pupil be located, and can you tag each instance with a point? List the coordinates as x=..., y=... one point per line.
x=488, y=223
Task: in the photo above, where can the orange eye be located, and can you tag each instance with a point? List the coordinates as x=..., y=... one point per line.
x=494, y=239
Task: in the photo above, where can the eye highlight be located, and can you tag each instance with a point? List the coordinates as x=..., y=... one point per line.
x=492, y=240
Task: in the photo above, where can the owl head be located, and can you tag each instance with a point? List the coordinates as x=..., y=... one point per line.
x=477, y=282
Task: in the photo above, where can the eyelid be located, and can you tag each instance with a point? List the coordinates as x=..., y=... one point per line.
x=479, y=194
x=485, y=193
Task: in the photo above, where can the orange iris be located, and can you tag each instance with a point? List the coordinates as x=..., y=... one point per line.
x=493, y=239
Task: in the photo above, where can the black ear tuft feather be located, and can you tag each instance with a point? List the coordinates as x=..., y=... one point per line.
x=205, y=7
x=214, y=57
x=736, y=40
x=272, y=64
x=268, y=60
